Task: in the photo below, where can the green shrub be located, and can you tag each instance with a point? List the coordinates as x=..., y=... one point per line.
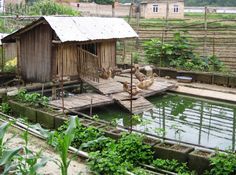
x=49, y=7
x=44, y=7
x=5, y=108
x=108, y=162
x=131, y=148
x=179, y=54
x=84, y=135
x=223, y=164
x=172, y=165
x=34, y=99
x=157, y=52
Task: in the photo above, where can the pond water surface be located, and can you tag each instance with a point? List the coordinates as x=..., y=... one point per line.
x=189, y=119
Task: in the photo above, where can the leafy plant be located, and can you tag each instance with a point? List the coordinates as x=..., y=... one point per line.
x=136, y=57
x=83, y=134
x=108, y=162
x=178, y=131
x=27, y=161
x=62, y=143
x=223, y=164
x=5, y=108
x=172, y=165
x=35, y=99
x=10, y=65
x=19, y=160
x=140, y=171
x=131, y=148
x=6, y=155
x=41, y=7
x=161, y=132
x=98, y=144
x=157, y=52
x=179, y=54
x=3, y=130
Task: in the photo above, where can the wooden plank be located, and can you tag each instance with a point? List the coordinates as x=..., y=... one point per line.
x=139, y=105
x=106, y=87
x=83, y=101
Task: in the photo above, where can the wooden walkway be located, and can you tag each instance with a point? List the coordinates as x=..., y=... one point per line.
x=83, y=101
x=112, y=91
x=114, y=88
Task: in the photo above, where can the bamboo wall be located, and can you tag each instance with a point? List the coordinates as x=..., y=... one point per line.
x=35, y=54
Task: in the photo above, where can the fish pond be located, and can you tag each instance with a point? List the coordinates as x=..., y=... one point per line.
x=188, y=119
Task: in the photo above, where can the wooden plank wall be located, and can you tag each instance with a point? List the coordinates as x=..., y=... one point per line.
x=70, y=59
x=35, y=54
x=10, y=51
x=107, y=54
x=77, y=61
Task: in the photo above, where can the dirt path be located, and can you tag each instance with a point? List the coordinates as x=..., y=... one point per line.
x=76, y=167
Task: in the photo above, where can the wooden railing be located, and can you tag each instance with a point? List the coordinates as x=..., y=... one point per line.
x=88, y=65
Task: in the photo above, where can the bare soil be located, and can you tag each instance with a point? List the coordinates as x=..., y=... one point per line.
x=77, y=166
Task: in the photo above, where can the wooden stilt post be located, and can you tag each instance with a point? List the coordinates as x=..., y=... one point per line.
x=213, y=45
x=62, y=86
x=81, y=86
x=3, y=61
x=205, y=34
x=130, y=10
x=113, y=9
x=91, y=108
x=131, y=94
x=42, y=93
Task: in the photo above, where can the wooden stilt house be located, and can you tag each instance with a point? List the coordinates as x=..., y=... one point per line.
x=70, y=46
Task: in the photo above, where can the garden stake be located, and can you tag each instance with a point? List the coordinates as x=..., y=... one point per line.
x=62, y=88
x=2, y=59
x=131, y=94
x=42, y=89
x=91, y=108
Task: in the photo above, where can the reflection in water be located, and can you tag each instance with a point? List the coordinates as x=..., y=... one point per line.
x=189, y=119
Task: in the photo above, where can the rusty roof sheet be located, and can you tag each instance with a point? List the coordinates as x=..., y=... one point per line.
x=90, y=28
x=78, y=29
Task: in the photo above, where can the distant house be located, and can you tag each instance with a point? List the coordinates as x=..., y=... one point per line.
x=67, y=46
x=162, y=8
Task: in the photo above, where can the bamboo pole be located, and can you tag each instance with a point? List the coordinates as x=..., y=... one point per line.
x=213, y=45
x=233, y=132
x=62, y=87
x=205, y=34
x=138, y=21
x=3, y=62
x=130, y=10
x=91, y=108
x=131, y=94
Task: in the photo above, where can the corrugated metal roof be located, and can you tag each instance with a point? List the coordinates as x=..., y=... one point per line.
x=90, y=28
x=79, y=29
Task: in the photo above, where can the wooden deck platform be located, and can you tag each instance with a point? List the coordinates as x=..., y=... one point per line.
x=114, y=88
x=112, y=91
x=83, y=101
